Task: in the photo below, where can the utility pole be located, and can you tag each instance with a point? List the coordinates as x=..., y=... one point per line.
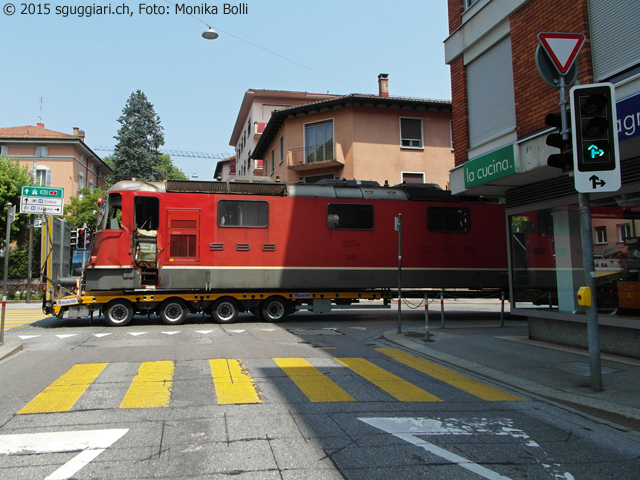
x=11, y=215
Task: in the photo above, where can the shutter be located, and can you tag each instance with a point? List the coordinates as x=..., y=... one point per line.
x=490, y=94
x=613, y=28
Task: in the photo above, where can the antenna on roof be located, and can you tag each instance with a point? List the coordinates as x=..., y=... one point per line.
x=40, y=116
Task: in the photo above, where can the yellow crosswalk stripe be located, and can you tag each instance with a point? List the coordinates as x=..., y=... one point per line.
x=479, y=389
x=151, y=387
x=390, y=383
x=64, y=392
x=313, y=383
x=233, y=383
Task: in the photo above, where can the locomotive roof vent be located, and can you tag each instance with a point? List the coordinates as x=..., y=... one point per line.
x=348, y=183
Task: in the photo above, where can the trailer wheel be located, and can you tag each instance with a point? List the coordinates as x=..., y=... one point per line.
x=118, y=313
x=173, y=311
x=225, y=310
x=275, y=309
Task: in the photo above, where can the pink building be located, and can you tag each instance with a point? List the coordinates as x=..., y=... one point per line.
x=60, y=160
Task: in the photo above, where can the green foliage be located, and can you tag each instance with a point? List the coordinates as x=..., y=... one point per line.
x=136, y=154
x=169, y=170
x=12, y=177
x=82, y=208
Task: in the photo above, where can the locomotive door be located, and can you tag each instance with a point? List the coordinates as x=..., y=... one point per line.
x=145, y=240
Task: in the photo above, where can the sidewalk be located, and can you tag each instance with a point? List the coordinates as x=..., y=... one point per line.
x=14, y=346
x=557, y=373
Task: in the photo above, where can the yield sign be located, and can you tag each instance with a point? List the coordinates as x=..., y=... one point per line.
x=562, y=48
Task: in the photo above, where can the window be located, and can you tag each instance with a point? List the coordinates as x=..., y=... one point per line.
x=492, y=111
x=448, y=219
x=80, y=182
x=243, y=213
x=624, y=232
x=273, y=161
x=44, y=176
x=408, y=177
x=318, y=138
x=601, y=234
x=42, y=151
x=349, y=216
x=411, y=132
x=281, y=150
x=4, y=151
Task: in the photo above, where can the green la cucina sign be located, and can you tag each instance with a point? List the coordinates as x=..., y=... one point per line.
x=491, y=166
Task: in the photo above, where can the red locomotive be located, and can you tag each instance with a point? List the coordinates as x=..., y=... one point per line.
x=225, y=247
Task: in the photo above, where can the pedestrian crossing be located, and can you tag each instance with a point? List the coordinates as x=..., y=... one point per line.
x=17, y=318
x=130, y=385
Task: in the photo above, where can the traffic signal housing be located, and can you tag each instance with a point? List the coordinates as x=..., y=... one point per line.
x=82, y=239
x=74, y=237
x=595, y=138
x=564, y=159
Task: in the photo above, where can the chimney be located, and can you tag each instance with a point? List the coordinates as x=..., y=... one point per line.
x=383, y=85
x=78, y=133
x=40, y=125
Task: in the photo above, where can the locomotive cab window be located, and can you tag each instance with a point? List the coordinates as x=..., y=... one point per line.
x=243, y=213
x=147, y=212
x=349, y=216
x=449, y=219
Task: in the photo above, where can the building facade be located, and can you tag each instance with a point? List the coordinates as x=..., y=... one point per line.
x=500, y=102
x=255, y=111
x=362, y=137
x=58, y=159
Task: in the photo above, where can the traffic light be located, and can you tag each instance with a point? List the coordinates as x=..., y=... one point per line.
x=595, y=139
x=564, y=159
x=82, y=239
x=595, y=132
x=74, y=237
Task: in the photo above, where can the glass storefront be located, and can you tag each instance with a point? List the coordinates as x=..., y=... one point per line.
x=546, y=256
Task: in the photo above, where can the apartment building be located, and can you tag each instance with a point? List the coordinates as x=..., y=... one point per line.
x=500, y=102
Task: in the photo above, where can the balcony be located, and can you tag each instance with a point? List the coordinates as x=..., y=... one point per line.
x=319, y=156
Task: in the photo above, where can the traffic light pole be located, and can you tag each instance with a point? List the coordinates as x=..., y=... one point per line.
x=593, y=337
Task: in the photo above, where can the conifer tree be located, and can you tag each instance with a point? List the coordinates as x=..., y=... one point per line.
x=136, y=154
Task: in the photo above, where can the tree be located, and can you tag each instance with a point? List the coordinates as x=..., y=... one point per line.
x=12, y=177
x=81, y=209
x=136, y=154
x=169, y=170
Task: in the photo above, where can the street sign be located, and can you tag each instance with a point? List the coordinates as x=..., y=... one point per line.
x=41, y=208
x=30, y=191
x=563, y=48
x=549, y=73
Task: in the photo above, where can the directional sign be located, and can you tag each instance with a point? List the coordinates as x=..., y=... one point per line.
x=40, y=208
x=30, y=191
x=415, y=430
x=563, y=48
x=82, y=445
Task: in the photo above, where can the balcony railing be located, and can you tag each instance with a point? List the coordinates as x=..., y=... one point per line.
x=316, y=156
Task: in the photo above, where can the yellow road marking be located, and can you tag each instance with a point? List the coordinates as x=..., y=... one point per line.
x=64, y=392
x=233, y=383
x=390, y=383
x=468, y=384
x=313, y=383
x=151, y=387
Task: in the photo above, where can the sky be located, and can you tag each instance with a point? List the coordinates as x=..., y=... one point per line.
x=69, y=70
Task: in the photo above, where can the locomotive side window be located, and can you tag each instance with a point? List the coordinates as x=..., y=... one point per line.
x=113, y=218
x=243, y=213
x=349, y=216
x=448, y=219
x=147, y=212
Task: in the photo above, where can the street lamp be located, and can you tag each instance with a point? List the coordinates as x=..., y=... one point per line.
x=210, y=34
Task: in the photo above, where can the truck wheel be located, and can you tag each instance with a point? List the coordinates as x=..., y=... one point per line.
x=118, y=313
x=173, y=311
x=225, y=310
x=275, y=309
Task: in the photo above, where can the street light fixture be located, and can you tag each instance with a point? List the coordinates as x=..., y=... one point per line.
x=210, y=34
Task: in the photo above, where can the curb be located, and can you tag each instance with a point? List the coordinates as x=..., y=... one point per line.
x=9, y=348
x=628, y=416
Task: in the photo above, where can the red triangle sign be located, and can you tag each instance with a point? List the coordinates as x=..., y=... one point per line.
x=562, y=48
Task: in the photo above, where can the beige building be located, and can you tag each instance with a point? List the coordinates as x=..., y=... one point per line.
x=363, y=137
x=60, y=160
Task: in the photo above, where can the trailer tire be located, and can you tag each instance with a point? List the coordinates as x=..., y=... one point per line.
x=275, y=309
x=225, y=310
x=173, y=311
x=118, y=313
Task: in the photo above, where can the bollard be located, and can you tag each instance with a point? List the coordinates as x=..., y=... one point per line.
x=426, y=318
x=442, y=309
x=502, y=309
